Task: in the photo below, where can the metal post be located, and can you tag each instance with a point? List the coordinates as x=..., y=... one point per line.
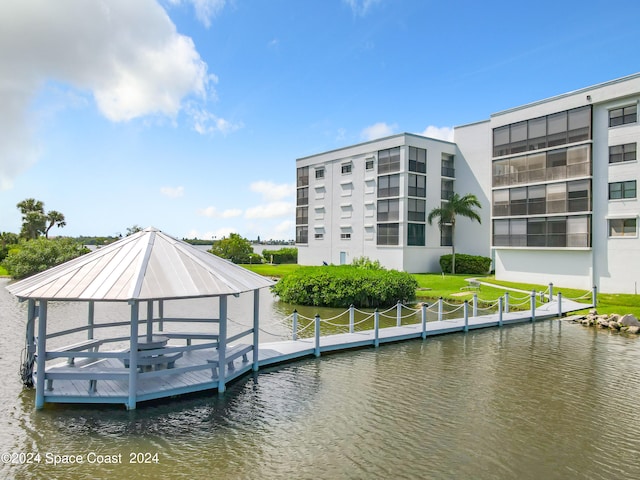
x=559, y=304
x=161, y=315
x=506, y=302
x=533, y=305
x=41, y=353
x=256, y=329
x=423, y=312
x=551, y=292
x=222, y=345
x=91, y=315
x=149, y=320
x=500, y=311
x=594, y=295
x=475, y=304
x=399, y=314
x=294, y=327
x=376, y=328
x=351, y=317
x=440, y=305
x=466, y=315
x=316, y=351
x=133, y=356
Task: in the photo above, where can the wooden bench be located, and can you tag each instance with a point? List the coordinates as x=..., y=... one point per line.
x=89, y=345
x=155, y=361
x=231, y=354
x=188, y=336
x=93, y=374
x=473, y=285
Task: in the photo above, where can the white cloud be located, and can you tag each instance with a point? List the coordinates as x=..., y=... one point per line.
x=271, y=210
x=442, y=133
x=205, y=9
x=213, y=212
x=172, y=192
x=97, y=48
x=205, y=122
x=210, y=235
x=378, y=130
x=273, y=192
x=361, y=7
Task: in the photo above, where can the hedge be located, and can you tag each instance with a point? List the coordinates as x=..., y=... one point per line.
x=341, y=286
x=473, y=264
x=283, y=255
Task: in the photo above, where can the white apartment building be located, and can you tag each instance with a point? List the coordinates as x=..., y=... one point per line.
x=557, y=180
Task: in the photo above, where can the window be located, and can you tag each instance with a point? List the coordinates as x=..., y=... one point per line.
x=389, y=186
x=417, y=185
x=518, y=230
x=579, y=125
x=578, y=196
x=518, y=201
x=536, y=232
x=557, y=198
x=622, y=116
x=446, y=167
x=622, y=153
x=578, y=231
x=319, y=236
x=518, y=137
x=417, y=160
x=368, y=165
x=345, y=236
x=536, y=200
x=389, y=160
x=303, y=196
x=415, y=234
x=557, y=232
x=446, y=236
x=618, y=190
x=346, y=168
x=388, y=210
x=557, y=164
x=557, y=129
x=319, y=173
x=302, y=234
x=623, y=227
x=302, y=177
x=388, y=233
x=416, y=210
x=446, y=189
x=302, y=215
x=500, y=233
x=500, y=202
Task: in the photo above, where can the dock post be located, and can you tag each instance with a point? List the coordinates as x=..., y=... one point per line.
x=551, y=292
x=500, y=311
x=41, y=353
x=376, y=328
x=316, y=351
x=506, y=302
x=466, y=315
x=160, y=315
x=351, y=317
x=475, y=304
x=533, y=305
x=149, y=319
x=440, y=302
x=133, y=356
x=559, y=304
x=294, y=327
x=594, y=296
x=222, y=345
x=256, y=329
x=90, y=320
x=423, y=312
x=399, y=314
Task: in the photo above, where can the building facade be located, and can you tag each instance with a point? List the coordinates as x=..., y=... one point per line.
x=557, y=180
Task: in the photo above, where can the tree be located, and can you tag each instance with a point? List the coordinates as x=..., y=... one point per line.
x=39, y=254
x=54, y=218
x=447, y=213
x=235, y=248
x=34, y=220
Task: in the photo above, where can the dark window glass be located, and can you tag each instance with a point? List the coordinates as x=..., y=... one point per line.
x=415, y=234
x=388, y=233
x=417, y=185
x=518, y=140
x=388, y=210
x=501, y=141
x=303, y=196
x=622, y=153
x=389, y=186
x=416, y=210
x=578, y=195
x=557, y=129
x=536, y=200
x=346, y=168
x=302, y=177
x=557, y=232
x=302, y=234
x=518, y=201
x=302, y=215
x=622, y=116
x=319, y=172
x=579, y=124
x=536, y=232
x=501, y=233
x=537, y=133
x=623, y=227
x=417, y=160
x=389, y=160
x=618, y=190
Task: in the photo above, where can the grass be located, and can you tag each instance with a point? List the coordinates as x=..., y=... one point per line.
x=3, y=272
x=434, y=285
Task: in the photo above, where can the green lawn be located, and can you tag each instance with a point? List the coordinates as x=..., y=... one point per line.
x=3, y=272
x=435, y=285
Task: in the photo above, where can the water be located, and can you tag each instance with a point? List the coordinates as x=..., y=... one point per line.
x=552, y=401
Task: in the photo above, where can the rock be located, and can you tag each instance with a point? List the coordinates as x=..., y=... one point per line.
x=629, y=320
x=614, y=317
x=593, y=311
x=634, y=329
x=614, y=325
x=603, y=323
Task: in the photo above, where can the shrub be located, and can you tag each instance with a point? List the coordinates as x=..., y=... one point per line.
x=367, y=264
x=341, y=286
x=37, y=255
x=474, y=264
x=283, y=255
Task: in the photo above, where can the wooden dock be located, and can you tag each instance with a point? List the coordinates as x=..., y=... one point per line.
x=197, y=369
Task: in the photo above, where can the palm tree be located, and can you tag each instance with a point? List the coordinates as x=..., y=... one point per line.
x=33, y=218
x=54, y=218
x=447, y=213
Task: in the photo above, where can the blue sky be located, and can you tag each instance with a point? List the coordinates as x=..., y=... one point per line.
x=188, y=115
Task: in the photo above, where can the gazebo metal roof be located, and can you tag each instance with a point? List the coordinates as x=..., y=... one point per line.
x=148, y=265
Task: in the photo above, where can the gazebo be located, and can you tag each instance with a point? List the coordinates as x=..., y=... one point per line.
x=144, y=269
